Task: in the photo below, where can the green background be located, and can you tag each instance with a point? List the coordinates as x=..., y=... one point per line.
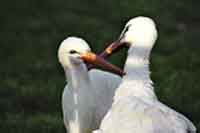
x=32, y=80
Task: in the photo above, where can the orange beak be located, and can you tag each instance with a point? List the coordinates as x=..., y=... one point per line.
x=113, y=47
x=94, y=59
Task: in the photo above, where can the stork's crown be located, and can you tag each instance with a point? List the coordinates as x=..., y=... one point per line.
x=70, y=49
x=75, y=44
x=140, y=31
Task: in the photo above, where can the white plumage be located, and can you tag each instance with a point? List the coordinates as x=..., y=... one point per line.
x=88, y=95
x=136, y=108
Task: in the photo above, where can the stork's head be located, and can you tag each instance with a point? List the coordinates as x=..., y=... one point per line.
x=70, y=51
x=138, y=32
x=74, y=52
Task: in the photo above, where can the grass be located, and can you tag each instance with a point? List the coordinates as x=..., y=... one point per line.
x=32, y=80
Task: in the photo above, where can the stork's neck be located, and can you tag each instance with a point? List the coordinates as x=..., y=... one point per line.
x=77, y=76
x=80, y=118
x=137, y=80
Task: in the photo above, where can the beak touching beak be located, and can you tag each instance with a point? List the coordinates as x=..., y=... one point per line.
x=94, y=59
x=112, y=48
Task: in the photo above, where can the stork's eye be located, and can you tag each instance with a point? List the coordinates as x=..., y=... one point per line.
x=124, y=31
x=127, y=28
x=73, y=52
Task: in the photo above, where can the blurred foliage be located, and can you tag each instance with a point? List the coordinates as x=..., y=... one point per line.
x=31, y=79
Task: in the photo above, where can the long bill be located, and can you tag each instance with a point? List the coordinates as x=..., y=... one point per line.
x=115, y=46
x=112, y=48
x=94, y=59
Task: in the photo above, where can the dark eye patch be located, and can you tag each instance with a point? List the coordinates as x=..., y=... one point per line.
x=126, y=29
x=73, y=52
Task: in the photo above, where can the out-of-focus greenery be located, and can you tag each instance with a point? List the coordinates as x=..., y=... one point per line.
x=31, y=79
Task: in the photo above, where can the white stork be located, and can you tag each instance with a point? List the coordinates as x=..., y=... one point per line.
x=88, y=95
x=136, y=108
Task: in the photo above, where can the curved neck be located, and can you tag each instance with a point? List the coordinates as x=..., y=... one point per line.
x=77, y=76
x=81, y=102
x=137, y=61
x=137, y=80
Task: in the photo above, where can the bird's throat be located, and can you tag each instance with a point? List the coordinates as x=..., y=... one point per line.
x=137, y=80
x=77, y=76
x=81, y=100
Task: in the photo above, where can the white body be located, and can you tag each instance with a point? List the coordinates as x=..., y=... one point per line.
x=88, y=95
x=136, y=108
x=85, y=106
